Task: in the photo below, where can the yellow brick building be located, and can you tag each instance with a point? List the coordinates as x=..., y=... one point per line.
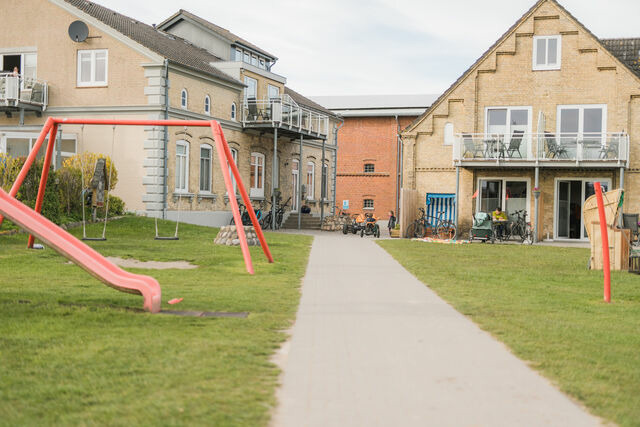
x=545, y=112
x=184, y=68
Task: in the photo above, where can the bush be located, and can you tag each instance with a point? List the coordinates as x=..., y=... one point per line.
x=29, y=191
x=116, y=207
x=9, y=169
x=87, y=161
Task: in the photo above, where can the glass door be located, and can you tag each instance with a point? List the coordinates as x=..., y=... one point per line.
x=589, y=190
x=490, y=195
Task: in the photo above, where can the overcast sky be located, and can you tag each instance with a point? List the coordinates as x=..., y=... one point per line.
x=359, y=47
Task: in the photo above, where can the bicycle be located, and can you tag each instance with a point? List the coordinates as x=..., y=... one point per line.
x=522, y=228
x=439, y=227
x=417, y=228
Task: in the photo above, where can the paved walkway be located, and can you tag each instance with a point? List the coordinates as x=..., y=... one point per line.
x=373, y=346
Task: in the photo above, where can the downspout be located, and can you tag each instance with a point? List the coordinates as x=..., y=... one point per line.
x=165, y=203
x=398, y=166
x=335, y=164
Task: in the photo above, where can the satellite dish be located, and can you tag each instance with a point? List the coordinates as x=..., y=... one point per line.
x=78, y=31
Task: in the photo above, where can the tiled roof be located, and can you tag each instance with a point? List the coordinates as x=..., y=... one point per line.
x=217, y=29
x=173, y=48
x=306, y=102
x=626, y=50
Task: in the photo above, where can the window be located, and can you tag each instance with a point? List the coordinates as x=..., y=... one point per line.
x=246, y=57
x=238, y=55
x=262, y=64
x=367, y=204
x=182, y=166
x=93, y=67
x=504, y=120
x=274, y=91
x=233, y=111
x=184, y=99
x=257, y=175
x=311, y=180
x=251, y=91
x=586, y=124
x=547, y=52
x=369, y=168
x=234, y=156
x=448, y=133
x=205, y=168
x=295, y=181
x=254, y=61
x=207, y=105
x=323, y=187
x=20, y=144
x=510, y=195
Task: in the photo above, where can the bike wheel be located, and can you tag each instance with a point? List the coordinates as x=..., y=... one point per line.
x=528, y=235
x=377, y=231
x=362, y=233
x=420, y=230
x=265, y=222
x=411, y=230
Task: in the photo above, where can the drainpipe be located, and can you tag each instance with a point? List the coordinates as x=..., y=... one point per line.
x=536, y=195
x=622, y=188
x=165, y=178
x=335, y=164
x=274, y=172
x=322, y=183
x=398, y=166
x=455, y=202
x=300, y=169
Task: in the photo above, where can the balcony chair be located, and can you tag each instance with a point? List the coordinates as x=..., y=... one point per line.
x=252, y=106
x=610, y=151
x=630, y=222
x=514, y=144
x=554, y=150
x=470, y=146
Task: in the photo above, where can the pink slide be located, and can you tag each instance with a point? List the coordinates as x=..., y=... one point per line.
x=81, y=254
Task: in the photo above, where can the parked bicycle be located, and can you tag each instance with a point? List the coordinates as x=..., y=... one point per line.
x=438, y=226
x=280, y=209
x=521, y=228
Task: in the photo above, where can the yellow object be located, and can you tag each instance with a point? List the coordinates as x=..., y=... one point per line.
x=499, y=215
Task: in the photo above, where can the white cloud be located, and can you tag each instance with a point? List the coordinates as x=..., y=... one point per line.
x=379, y=46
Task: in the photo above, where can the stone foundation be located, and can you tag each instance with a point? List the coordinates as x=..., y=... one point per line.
x=334, y=223
x=228, y=235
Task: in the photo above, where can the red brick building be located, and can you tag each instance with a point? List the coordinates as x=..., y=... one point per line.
x=368, y=167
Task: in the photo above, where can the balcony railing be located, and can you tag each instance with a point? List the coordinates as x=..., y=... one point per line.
x=283, y=111
x=21, y=91
x=520, y=148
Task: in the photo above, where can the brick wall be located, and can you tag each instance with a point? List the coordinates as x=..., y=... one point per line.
x=368, y=140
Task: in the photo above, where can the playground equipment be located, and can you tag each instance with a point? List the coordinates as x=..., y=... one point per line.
x=83, y=255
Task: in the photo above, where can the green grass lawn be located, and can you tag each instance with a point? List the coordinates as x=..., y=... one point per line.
x=548, y=308
x=72, y=352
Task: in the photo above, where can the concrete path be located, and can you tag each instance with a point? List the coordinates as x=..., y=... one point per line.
x=373, y=346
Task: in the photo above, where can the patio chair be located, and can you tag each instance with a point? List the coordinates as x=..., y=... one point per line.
x=610, y=151
x=553, y=149
x=630, y=222
x=514, y=143
x=470, y=146
x=253, y=109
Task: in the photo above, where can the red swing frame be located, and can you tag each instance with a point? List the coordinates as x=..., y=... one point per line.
x=222, y=148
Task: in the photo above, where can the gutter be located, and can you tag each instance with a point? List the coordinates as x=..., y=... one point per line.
x=398, y=166
x=335, y=165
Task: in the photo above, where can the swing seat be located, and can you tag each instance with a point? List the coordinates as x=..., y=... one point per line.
x=95, y=239
x=166, y=238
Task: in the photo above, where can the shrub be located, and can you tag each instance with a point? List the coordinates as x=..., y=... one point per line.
x=29, y=191
x=87, y=161
x=9, y=169
x=116, y=207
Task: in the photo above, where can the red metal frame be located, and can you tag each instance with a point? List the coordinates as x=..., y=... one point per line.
x=224, y=154
x=606, y=268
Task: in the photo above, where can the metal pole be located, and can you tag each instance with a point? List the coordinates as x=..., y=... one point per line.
x=322, y=184
x=536, y=195
x=622, y=188
x=300, y=187
x=59, y=149
x=274, y=171
x=457, y=197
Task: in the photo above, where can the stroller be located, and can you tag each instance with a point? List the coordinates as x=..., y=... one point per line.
x=482, y=228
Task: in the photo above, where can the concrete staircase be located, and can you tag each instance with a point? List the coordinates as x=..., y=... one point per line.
x=307, y=222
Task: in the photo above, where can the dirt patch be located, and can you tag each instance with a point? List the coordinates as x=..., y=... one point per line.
x=153, y=265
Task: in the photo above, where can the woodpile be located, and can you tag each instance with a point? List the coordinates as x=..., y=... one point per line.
x=228, y=235
x=334, y=222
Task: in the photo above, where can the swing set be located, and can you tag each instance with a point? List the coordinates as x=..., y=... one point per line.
x=86, y=257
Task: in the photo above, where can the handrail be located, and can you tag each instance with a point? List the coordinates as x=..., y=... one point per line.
x=283, y=110
x=16, y=89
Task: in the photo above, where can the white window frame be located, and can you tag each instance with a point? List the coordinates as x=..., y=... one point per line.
x=295, y=180
x=508, y=130
x=448, y=134
x=234, y=156
x=247, y=80
x=556, y=201
x=311, y=186
x=234, y=111
x=184, y=189
x=581, y=108
x=32, y=137
x=184, y=99
x=207, y=105
x=503, y=190
x=93, y=82
x=275, y=89
x=546, y=65
x=364, y=204
x=256, y=191
x=210, y=159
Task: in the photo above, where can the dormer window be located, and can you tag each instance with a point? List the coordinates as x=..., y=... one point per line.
x=547, y=52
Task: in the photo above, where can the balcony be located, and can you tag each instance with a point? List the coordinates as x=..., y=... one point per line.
x=22, y=93
x=542, y=149
x=283, y=113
